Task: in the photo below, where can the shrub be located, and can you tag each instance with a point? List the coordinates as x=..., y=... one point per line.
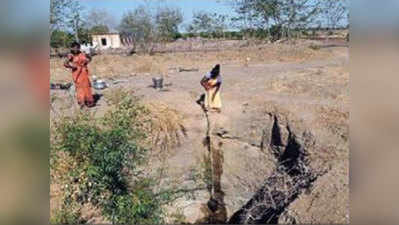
x=314, y=47
x=107, y=155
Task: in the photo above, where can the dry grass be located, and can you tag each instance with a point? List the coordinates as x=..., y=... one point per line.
x=326, y=83
x=164, y=127
x=106, y=66
x=334, y=119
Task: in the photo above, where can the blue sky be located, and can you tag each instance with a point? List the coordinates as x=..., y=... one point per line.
x=118, y=7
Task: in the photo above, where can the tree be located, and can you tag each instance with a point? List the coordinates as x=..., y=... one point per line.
x=167, y=22
x=219, y=25
x=211, y=23
x=58, y=14
x=66, y=15
x=76, y=19
x=99, y=29
x=334, y=12
x=289, y=15
x=100, y=19
x=60, y=38
x=257, y=14
x=202, y=22
x=139, y=26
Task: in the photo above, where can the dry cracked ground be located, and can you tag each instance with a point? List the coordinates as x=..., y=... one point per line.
x=278, y=152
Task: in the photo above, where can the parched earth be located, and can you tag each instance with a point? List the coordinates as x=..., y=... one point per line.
x=279, y=151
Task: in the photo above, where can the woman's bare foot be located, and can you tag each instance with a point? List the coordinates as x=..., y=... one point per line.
x=216, y=110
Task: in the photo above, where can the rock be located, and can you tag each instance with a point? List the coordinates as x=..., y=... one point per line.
x=195, y=212
x=241, y=176
x=299, y=190
x=191, y=211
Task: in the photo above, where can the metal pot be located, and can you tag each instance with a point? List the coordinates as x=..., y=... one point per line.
x=158, y=82
x=99, y=85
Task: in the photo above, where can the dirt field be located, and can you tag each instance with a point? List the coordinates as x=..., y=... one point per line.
x=312, y=85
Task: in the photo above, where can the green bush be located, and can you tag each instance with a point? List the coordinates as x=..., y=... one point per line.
x=177, y=35
x=107, y=156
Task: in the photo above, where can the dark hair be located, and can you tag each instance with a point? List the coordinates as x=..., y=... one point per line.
x=75, y=44
x=215, y=71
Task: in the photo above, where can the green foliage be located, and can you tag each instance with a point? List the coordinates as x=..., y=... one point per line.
x=178, y=217
x=276, y=32
x=206, y=168
x=208, y=24
x=167, y=21
x=67, y=15
x=177, y=35
x=60, y=39
x=286, y=14
x=84, y=35
x=99, y=29
x=66, y=216
x=69, y=212
x=137, y=207
x=138, y=24
x=107, y=156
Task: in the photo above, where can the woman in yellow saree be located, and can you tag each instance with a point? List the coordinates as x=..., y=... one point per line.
x=212, y=83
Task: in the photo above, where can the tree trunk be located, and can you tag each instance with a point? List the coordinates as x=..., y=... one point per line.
x=76, y=31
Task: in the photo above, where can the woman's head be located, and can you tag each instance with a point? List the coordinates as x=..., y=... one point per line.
x=215, y=71
x=75, y=48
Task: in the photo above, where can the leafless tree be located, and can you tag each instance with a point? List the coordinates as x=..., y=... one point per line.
x=58, y=14
x=334, y=12
x=100, y=17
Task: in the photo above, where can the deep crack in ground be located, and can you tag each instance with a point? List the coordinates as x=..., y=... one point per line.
x=290, y=178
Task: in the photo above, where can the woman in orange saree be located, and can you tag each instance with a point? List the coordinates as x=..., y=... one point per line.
x=77, y=61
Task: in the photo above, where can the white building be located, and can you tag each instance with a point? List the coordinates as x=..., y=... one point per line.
x=107, y=40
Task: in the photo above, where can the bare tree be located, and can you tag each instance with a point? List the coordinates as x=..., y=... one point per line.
x=334, y=12
x=76, y=18
x=58, y=14
x=100, y=18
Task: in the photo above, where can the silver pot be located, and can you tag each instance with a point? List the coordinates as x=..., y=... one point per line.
x=99, y=85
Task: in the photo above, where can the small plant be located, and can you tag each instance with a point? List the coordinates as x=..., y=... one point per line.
x=206, y=167
x=115, y=96
x=178, y=216
x=314, y=47
x=69, y=213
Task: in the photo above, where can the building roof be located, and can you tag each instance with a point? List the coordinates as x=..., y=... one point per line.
x=110, y=33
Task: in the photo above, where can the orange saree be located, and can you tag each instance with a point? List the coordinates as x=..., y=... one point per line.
x=81, y=79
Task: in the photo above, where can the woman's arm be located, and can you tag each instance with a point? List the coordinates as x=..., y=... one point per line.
x=204, y=83
x=88, y=58
x=68, y=65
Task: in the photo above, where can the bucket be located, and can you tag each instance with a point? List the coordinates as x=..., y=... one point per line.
x=158, y=82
